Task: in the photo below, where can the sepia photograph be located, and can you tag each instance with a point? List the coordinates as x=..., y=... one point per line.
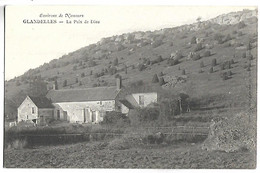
x=130, y=87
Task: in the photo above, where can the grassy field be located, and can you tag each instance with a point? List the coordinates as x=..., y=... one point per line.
x=100, y=155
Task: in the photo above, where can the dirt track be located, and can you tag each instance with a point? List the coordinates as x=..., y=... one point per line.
x=98, y=155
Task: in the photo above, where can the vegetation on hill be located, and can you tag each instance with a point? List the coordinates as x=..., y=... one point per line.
x=204, y=52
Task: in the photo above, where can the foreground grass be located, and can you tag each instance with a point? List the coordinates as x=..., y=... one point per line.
x=99, y=155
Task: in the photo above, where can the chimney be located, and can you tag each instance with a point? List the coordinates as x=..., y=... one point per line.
x=54, y=87
x=118, y=83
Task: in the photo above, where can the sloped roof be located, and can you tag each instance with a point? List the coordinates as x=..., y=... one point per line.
x=127, y=104
x=41, y=102
x=81, y=95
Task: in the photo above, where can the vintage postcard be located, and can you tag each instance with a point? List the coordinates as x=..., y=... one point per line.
x=159, y=87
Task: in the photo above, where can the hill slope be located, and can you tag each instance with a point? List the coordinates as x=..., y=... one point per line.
x=182, y=56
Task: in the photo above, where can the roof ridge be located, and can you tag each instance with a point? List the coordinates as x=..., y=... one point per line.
x=71, y=89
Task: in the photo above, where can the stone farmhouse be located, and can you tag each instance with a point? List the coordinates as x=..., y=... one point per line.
x=88, y=105
x=36, y=109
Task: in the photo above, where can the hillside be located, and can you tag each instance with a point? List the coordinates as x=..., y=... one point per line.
x=182, y=55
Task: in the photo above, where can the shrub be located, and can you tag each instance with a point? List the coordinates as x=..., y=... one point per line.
x=183, y=72
x=160, y=74
x=240, y=33
x=227, y=44
x=82, y=74
x=155, y=79
x=241, y=25
x=92, y=63
x=224, y=76
x=198, y=47
x=213, y=62
x=145, y=115
x=201, y=64
x=141, y=67
x=227, y=38
x=219, y=38
x=161, y=81
x=172, y=62
x=211, y=70
x=229, y=73
x=193, y=40
x=206, y=54
x=115, y=118
x=244, y=55
x=65, y=83
x=196, y=57
x=115, y=62
x=76, y=80
x=74, y=67
x=222, y=66
x=200, y=71
x=232, y=61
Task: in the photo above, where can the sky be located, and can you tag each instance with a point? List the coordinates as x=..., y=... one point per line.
x=31, y=45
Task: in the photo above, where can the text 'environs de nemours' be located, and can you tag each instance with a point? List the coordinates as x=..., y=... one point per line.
x=66, y=18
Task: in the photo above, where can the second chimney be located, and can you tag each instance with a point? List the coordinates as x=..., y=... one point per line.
x=118, y=83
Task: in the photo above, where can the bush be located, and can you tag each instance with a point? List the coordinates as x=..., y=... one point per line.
x=200, y=71
x=201, y=64
x=183, y=72
x=244, y=55
x=141, y=67
x=155, y=79
x=145, y=115
x=206, y=54
x=160, y=74
x=115, y=119
x=224, y=76
x=196, y=57
x=193, y=40
x=115, y=62
x=161, y=81
x=211, y=70
x=198, y=47
x=92, y=63
x=213, y=62
x=233, y=133
x=241, y=25
x=172, y=62
x=65, y=83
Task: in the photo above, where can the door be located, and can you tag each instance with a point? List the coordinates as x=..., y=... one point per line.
x=65, y=114
x=58, y=114
x=93, y=116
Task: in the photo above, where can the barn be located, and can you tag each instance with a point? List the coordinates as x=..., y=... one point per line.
x=88, y=105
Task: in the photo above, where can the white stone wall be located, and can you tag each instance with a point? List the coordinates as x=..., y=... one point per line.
x=82, y=111
x=25, y=110
x=148, y=98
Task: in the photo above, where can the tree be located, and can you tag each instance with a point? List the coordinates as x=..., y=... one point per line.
x=198, y=47
x=65, y=83
x=155, y=79
x=211, y=70
x=201, y=64
x=161, y=81
x=80, y=83
x=77, y=80
x=125, y=69
x=56, y=85
x=183, y=72
x=82, y=74
x=115, y=62
x=198, y=19
x=213, y=62
x=193, y=40
x=92, y=63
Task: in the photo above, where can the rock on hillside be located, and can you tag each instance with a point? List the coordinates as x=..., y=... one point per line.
x=234, y=17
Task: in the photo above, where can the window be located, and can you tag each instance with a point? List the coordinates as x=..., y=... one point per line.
x=141, y=100
x=33, y=110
